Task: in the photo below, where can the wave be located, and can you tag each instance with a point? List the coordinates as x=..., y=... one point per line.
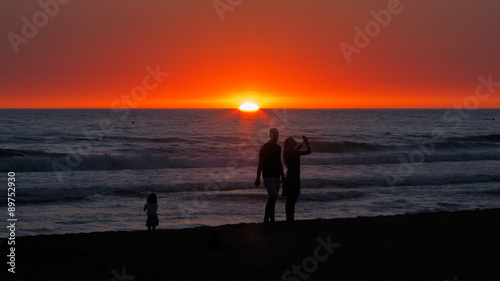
x=380, y=180
x=346, y=146
x=41, y=195
x=479, y=138
x=472, y=141
x=312, y=189
x=147, y=139
x=453, y=149
x=403, y=157
x=54, y=194
x=331, y=196
x=36, y=161
x=62, y=193
x=446, y=180
x=452, y=143
x=305, y=196
x=106, y=162
x=7, y=153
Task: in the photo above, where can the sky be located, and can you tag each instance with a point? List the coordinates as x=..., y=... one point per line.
x=219, y=54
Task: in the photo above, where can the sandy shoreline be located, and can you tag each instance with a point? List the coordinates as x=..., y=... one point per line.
x=431, y=246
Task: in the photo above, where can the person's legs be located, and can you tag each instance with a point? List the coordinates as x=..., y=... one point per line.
x=276, y=182
x=273, y=204
x=266, y=211
x=269, y=216
x=272, y=186
x=290, y=207
x=149, y=228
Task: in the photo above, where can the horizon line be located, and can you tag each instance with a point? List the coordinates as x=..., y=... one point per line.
x=235, y=108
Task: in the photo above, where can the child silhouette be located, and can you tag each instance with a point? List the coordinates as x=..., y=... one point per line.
x=151, y=206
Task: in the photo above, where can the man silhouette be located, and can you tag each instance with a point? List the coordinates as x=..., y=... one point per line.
x=272, y=169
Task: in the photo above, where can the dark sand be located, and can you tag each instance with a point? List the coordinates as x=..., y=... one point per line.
x=432, y=246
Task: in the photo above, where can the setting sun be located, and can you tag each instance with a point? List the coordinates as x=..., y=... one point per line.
x=249, y=106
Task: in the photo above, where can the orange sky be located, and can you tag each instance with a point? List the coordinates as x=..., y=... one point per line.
x=283, y=53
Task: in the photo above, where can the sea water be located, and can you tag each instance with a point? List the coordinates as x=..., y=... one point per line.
x=85, y=170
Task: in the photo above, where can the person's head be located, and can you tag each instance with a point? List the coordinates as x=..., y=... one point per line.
x=274, y=134
x=152, y=198
x=289, y=145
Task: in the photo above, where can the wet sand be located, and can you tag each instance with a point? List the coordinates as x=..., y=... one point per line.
x=431, y=246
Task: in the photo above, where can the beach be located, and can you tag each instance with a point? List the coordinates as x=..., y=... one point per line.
x=204, y=176
x=425, y=246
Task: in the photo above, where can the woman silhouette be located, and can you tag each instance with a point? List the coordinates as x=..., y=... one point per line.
x=291, y=183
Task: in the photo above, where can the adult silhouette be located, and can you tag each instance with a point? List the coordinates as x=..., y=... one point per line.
x=272, y=169
x=291, y=183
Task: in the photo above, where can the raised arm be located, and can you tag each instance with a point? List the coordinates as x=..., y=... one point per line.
x=308, y=151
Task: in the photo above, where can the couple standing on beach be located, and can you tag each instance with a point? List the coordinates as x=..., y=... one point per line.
x=271, y=167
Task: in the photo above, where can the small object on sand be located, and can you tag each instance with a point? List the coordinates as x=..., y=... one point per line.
x=133, y=122
x=493, y=119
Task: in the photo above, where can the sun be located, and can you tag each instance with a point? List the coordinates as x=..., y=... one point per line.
x=249, y=106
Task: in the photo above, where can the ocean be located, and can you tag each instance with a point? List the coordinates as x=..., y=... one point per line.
x=86, y=170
